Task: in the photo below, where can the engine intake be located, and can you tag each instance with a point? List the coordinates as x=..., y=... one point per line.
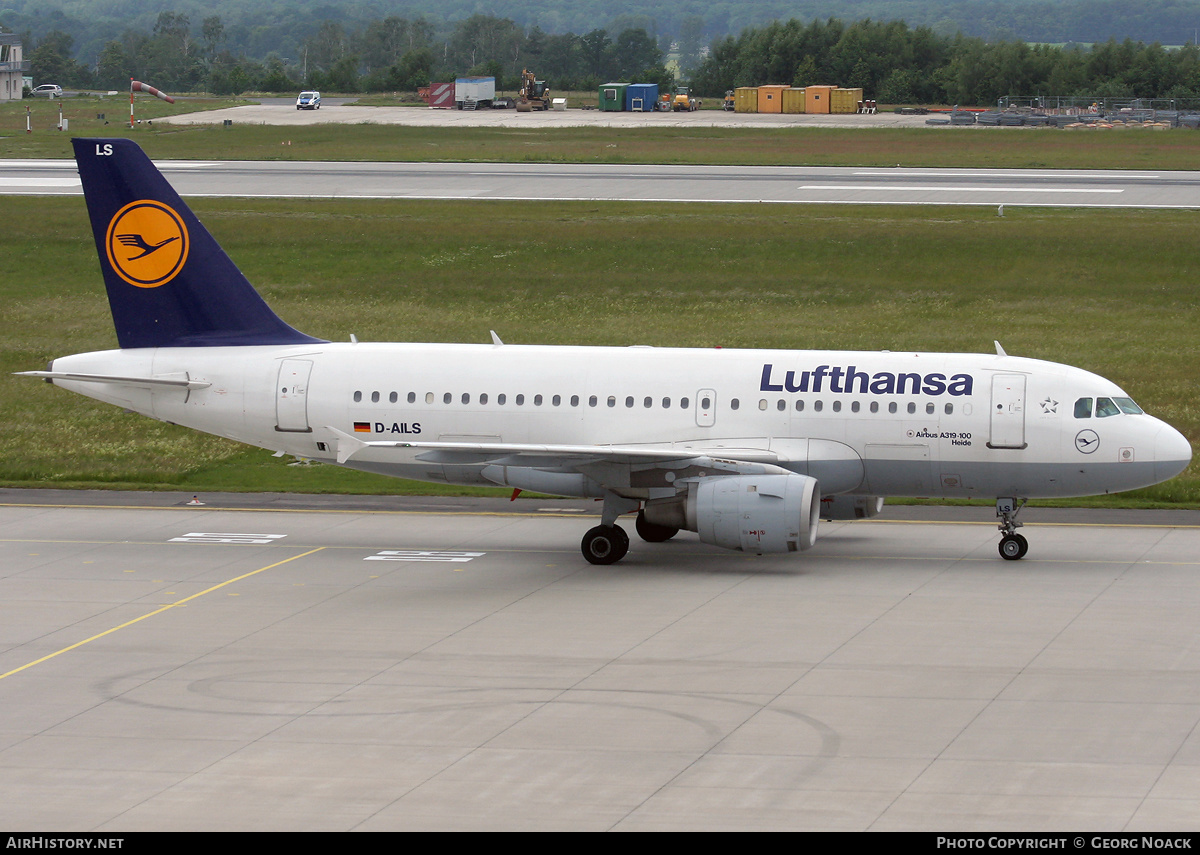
x=750, y=513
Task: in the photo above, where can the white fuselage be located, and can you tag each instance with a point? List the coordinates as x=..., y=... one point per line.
x=866, y=423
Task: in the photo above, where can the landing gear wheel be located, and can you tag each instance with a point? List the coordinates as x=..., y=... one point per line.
x=652, y=533
x=605, y=544
x=1013, y=547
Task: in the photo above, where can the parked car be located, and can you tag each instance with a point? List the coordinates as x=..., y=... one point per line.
x=309, y=101
x=48, y=90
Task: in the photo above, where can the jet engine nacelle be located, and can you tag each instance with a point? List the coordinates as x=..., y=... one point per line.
x=751, y=513
x=850, y=507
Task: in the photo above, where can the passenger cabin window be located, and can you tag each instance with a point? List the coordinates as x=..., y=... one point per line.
x=357, y=397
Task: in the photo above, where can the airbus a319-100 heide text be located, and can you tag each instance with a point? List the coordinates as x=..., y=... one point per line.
x=748, y=448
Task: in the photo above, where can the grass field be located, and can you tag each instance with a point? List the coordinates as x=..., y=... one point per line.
x=912, y=147
x=1110, y=291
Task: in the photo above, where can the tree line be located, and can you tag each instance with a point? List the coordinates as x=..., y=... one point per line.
x=387, y=55
x=892, y=62
x=896, y=64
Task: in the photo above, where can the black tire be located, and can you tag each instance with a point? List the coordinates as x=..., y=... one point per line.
x=652, y=533
x=605, y=544
x=1024, y=544
x=1013, y=547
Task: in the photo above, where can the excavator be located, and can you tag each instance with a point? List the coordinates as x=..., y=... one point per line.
x=534, y=94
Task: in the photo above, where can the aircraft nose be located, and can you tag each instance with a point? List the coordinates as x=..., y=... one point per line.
x=1172, y=453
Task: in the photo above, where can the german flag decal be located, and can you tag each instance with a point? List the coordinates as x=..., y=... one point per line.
x=362, y=427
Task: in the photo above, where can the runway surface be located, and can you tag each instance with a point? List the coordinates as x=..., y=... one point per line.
x=291, y=662
x=1085, y=188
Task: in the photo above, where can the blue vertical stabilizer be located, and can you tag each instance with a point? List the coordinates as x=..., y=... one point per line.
x=169, y=283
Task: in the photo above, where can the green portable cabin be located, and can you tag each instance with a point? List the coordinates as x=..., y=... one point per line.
x=612, y=97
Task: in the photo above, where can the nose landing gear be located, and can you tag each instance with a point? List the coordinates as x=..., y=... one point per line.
x=1012, y=546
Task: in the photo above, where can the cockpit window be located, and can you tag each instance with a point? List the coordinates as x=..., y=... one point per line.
x=1105, y=407
x=1128, y=406
x=1083, y=408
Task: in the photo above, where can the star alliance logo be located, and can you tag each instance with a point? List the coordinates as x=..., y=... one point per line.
x=1049, y=406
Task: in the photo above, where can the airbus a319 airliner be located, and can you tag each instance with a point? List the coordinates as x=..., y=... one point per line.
x=748, y=448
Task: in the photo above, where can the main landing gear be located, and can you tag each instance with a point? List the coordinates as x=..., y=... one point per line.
x=607, y=543
x=1013, y=546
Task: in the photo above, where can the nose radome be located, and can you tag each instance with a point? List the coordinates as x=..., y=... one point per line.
x=1172, y=453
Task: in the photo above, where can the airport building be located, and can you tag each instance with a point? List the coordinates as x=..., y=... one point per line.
x=12, y=68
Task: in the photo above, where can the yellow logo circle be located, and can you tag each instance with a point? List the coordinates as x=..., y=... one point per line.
x=147, y=243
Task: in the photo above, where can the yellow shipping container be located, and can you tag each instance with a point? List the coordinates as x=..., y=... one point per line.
x=770, y=98
x=844, y=100
x=745, y=99
x=793, y=100
x=816, y=98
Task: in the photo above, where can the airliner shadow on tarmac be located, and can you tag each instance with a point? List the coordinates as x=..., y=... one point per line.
x=748, y=448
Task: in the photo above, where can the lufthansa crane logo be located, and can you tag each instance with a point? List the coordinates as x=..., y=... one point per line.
x=147, y=243
x=1087, y=441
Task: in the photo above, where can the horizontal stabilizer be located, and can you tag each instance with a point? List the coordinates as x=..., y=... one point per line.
x=178, y=382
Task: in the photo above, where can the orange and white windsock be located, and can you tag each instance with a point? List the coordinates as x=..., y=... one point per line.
x=138, y=86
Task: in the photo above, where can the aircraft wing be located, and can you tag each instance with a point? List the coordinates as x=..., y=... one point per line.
x=590, y=459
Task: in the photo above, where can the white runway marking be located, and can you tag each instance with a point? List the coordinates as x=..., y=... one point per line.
x=973, y=188
x=222, y=537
